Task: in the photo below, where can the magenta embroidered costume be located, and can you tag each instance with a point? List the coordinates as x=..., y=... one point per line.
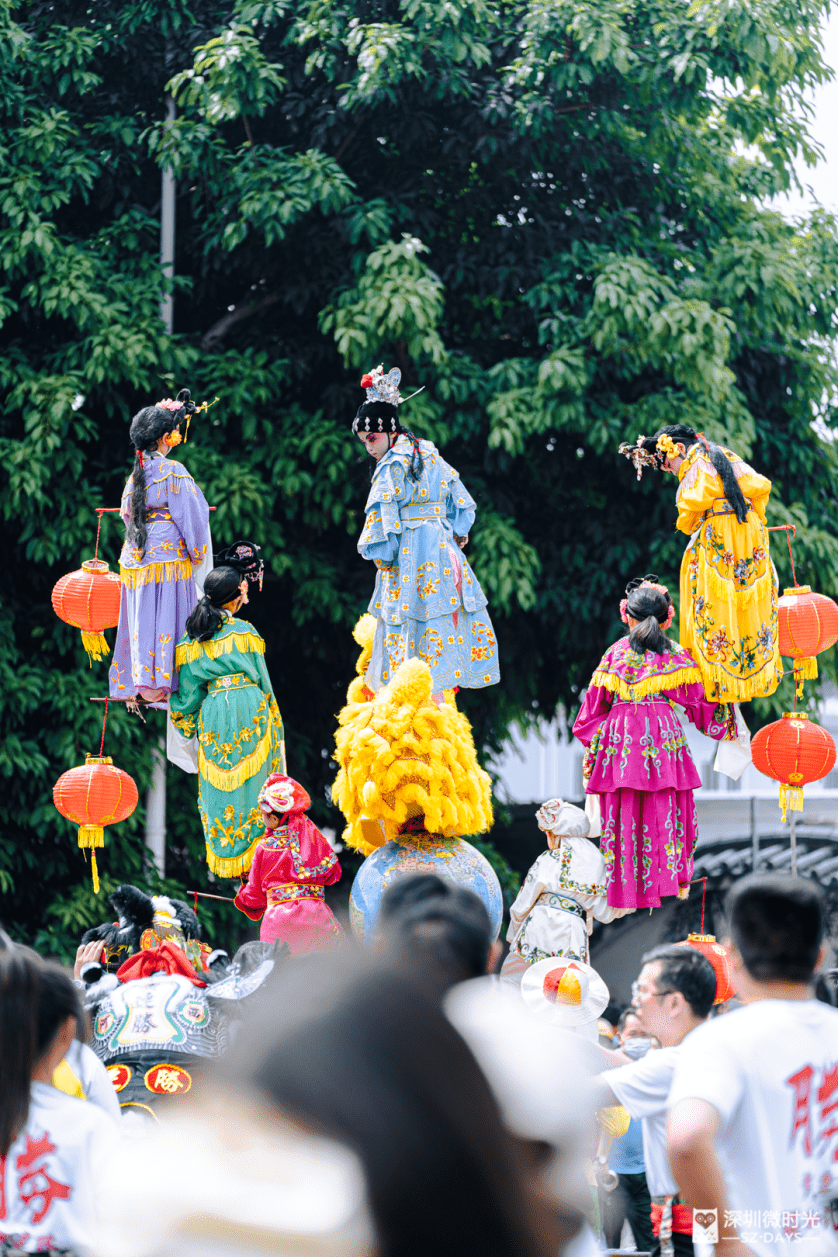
x=642, y=768
x=158, y=586
x=291, y=867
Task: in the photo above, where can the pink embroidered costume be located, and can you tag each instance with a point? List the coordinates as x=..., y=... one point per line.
x=291, y=867
x=640, y=766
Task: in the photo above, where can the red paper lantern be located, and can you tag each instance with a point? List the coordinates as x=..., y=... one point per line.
x=807, y=624
x=719, y=959
x=89, y=600
x=793, y=751
x=94, y=795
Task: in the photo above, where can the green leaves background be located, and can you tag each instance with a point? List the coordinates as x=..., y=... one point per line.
x=551, y=215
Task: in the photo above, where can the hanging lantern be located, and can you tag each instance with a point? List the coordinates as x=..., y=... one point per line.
x=793, y=751
x=807, y=624
x=92, y=796
x=89, y=600
x=719, y=959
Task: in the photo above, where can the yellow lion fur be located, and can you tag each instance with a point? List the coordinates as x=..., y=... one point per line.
x=402, y=756
x=363, y=632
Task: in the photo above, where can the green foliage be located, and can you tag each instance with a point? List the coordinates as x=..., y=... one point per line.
x=551, y=215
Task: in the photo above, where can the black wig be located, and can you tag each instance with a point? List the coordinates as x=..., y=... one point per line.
x=147, y=427
x=683, y=435
x=384, y=417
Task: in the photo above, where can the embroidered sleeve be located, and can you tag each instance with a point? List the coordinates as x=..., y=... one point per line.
x=189, y=512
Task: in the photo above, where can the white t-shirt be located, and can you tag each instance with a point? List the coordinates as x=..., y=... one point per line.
x=49, y=1175
x=643, y=1090
x=771, y=1072
x=94, y=1078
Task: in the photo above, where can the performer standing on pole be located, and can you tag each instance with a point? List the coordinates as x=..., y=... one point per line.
x=728, y=583
x=427, y=602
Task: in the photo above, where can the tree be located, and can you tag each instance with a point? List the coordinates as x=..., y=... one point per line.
x=551, y=215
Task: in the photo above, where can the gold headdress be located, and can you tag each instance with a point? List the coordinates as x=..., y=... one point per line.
x=639, y=456
x=406, y=762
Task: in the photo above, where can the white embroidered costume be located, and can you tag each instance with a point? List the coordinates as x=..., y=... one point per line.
x=563, y=890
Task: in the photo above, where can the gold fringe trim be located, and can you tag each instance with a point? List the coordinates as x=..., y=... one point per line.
x=250, y=642
x=651, y=685
x=155, y=573
x=235, y=865
x=735, y=690
x=791, y=799
x=233, y=778
x=724, y=590
x=96, y=645
x=91, y=836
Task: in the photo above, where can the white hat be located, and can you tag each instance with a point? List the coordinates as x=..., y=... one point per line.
x=563, y=819
x=567, y=993
x=522, y=1057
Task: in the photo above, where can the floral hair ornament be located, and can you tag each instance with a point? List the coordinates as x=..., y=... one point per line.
x=667, y=446
x=383, y=388
x=184, y=403
x=639, y=456
x=244, y=557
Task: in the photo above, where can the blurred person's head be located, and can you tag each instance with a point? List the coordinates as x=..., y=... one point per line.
x=628, y=1027
x=541, y=1076
x=673, y=993
x=441, y=930
x=361, y=1054
x=776, y=926
x=39, y=1012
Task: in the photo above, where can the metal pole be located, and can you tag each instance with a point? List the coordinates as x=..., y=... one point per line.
x=793, y=835
x=155, y=809
x=754, y=835
x=155, y=824
x=167, y=232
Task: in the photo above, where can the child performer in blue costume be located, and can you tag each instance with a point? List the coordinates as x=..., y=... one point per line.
x=427, y=602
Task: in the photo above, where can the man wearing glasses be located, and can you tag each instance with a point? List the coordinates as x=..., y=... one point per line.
x=672, y=996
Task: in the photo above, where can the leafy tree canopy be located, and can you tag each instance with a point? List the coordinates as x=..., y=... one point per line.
x=552, y=215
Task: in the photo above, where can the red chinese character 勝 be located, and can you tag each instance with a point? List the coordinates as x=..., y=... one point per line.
x=36, y=1183
x=802, y=1116
x=827, y=1091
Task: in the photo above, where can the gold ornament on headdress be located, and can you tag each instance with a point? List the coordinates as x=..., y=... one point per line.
x=639, y=456
x=667, y=446
x=401, y=757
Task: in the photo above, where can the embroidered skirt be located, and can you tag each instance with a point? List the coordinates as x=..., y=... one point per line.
x=154, y=605
x=648, y=837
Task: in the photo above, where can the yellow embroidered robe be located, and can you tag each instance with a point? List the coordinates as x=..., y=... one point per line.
x=728, y=584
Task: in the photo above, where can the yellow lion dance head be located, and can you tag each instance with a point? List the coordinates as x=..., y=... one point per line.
x=402, y=757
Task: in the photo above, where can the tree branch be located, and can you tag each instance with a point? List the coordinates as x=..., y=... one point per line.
x=244, y=309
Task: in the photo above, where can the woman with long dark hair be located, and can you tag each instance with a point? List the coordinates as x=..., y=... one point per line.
x=728, y=583
x=52, y=1146
x=167, y=548
x=638, y=760
x=427, y=601
x=225, y=706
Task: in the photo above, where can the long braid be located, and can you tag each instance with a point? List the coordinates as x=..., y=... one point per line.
x=417, y=462
x=136, y=532
x=735, y=497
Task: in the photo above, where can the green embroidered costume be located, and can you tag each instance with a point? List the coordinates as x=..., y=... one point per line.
x=226, y=700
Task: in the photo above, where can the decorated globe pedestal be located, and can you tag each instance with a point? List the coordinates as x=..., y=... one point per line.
x=453, y=859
